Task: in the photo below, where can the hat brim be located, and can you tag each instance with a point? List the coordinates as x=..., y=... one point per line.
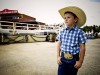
x=77, y=11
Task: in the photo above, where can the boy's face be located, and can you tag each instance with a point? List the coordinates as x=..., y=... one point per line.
x=70, y=20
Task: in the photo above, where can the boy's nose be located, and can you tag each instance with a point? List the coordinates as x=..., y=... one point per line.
x=66, y=19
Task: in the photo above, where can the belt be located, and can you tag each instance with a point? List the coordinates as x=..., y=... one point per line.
x=69, y=56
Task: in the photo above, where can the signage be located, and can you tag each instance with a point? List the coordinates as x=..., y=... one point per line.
x=7, y=11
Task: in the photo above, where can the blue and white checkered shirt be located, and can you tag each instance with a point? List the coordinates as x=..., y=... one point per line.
x=71, y=40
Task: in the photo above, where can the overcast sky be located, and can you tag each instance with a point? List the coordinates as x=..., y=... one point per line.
x=47, y=10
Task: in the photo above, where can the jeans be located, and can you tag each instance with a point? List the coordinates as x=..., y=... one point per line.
x=67, y=66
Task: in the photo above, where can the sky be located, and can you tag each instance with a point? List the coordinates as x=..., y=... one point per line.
x=47, y=10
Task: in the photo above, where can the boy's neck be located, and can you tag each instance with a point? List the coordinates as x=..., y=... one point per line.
x=70, y=26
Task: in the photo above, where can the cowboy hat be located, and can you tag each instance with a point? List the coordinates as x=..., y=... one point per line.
x=77, y=11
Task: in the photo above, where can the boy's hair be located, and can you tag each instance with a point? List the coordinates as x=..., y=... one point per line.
x=71, y=13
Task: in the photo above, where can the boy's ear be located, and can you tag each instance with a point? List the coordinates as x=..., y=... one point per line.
x=76, y=19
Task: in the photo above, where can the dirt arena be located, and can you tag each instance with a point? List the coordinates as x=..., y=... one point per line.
x=39, y=58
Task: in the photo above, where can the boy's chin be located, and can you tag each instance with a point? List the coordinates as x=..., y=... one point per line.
x=66, y=25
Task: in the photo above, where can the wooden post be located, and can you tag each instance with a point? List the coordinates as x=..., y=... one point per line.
x=2, y=38
x=14, y=28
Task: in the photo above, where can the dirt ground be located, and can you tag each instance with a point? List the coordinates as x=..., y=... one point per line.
x=39, y=58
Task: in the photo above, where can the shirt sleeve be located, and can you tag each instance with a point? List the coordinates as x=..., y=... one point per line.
x=59, y=37
x=82, y=37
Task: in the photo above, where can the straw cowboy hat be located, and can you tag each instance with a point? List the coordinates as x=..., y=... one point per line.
x=77, y=11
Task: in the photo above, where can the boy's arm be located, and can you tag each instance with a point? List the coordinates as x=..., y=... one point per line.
x=58, y=48
x=82, y=54
x=58, y=52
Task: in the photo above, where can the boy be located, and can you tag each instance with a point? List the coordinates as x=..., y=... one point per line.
x=71, y=41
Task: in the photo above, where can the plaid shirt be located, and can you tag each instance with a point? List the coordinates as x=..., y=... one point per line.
x=71, y=40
